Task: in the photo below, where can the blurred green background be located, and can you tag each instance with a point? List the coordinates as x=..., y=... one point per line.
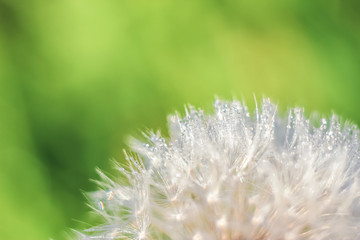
x=79, y=76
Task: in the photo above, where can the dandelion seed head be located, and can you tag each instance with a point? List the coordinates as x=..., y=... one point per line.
x=233, y=175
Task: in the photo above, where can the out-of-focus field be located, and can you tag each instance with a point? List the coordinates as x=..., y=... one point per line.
x=79, y=76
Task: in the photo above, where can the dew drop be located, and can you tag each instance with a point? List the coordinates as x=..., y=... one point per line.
x=179, y=217
x=101, y=205
x=222, y=223
x=198, y=236
x=110, y=195
x=142, y=235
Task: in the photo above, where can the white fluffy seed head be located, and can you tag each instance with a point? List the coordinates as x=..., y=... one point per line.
x=236, y=176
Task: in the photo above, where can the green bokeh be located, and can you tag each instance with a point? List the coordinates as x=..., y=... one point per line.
x=77, y=77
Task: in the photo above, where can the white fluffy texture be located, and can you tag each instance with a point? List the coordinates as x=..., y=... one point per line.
x=233, y=176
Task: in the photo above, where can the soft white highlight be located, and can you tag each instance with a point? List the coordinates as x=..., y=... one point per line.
x=236, y=176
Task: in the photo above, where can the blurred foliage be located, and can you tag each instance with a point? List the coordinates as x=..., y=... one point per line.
x=79, y=76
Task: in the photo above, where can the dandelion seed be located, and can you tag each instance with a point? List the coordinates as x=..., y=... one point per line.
x=237, y=176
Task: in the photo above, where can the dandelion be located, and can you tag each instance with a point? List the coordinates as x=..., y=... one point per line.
x=236, y=176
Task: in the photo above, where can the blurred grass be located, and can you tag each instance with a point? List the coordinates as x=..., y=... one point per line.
x=77, y=77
